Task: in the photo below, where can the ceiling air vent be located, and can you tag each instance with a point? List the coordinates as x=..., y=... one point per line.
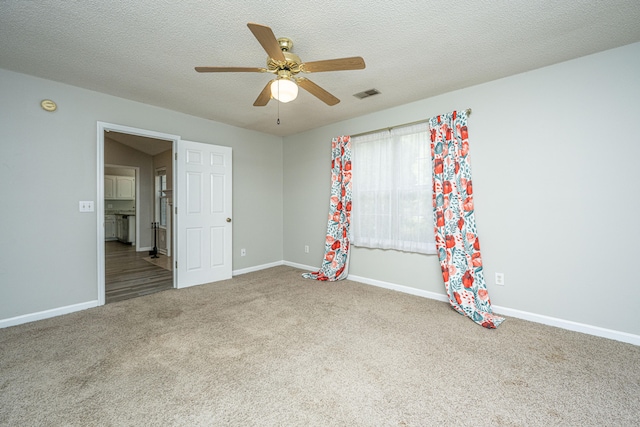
x=367, y=93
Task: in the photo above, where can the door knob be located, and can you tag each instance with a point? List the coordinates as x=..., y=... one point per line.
x=228, y=219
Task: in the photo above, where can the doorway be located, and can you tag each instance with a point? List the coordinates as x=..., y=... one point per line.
x=126, y=267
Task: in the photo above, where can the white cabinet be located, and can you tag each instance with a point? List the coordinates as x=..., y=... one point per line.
x=125, y=187
x=119, y=187
x=109, y=186
x=109, y=227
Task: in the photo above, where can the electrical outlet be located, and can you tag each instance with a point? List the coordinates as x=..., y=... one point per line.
x=243, y=252
x=500, y=279
x=306, y=249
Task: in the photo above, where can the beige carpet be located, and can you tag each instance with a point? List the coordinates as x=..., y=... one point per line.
x=272, y=349
x=162, y=261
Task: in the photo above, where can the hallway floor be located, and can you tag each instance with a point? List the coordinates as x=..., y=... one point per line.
x=128, y=275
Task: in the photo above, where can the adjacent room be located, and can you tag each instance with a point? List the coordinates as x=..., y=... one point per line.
x=188, y=236
x=137, y=216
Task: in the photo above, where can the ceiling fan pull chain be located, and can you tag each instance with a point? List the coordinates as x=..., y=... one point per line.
x=278, y=122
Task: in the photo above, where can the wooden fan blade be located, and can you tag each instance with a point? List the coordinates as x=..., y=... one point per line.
x=267, y=40
x=317, y=91
x=264, y=97
x=231, y=70
x=352, y=63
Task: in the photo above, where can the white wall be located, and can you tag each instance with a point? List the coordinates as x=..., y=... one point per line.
x=555, y=157
x=48, y=256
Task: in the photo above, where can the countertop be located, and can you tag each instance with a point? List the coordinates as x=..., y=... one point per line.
x=115, y=212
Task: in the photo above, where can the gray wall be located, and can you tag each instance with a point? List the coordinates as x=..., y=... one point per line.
x=48, y=256
x=555, y=156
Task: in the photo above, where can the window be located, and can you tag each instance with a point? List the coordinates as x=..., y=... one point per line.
x=161, y=198
x=392, y=190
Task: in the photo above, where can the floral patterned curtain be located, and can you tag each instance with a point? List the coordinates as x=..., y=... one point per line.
x=455, y=226
x=335, y=265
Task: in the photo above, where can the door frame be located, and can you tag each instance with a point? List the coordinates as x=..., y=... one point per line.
x=102, y=128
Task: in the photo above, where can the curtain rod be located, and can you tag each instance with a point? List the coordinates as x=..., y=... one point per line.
x=468, y=110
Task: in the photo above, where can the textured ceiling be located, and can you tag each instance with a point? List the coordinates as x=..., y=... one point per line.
x=150, y=146
x=146, y=50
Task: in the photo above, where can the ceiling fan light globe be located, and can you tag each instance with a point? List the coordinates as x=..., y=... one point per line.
x=284, y=90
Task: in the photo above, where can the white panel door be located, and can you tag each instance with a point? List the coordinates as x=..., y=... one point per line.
x=203, y=218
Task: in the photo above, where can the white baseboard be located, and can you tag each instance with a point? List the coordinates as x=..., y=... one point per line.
x=569, y=325
x=300, y=266
x=399, y=288
x=505, y=311
x=379, y=283
x=256, y=268
x=32, y=317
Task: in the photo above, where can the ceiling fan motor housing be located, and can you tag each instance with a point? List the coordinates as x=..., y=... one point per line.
x=292, y=63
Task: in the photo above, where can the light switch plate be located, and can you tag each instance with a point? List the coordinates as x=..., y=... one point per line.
x=86, y=206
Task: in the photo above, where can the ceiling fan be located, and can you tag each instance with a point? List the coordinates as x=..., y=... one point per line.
x=286, y=65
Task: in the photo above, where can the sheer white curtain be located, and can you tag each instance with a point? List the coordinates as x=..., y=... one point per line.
x=392, y=190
